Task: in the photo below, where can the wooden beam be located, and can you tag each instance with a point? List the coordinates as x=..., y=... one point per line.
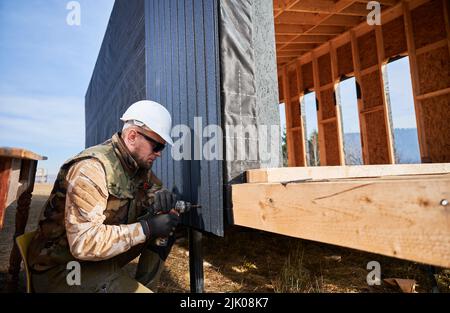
x=299, y=18
x=432, y=46
x=384, y=2
x=342, y=35
x=384, y=94
x=278, y=175
x=290, y=53
x=447, y=21
x=324, y=6
x=339, y=6
x=424, y=152
x=362, y=118
x=328, y=7
x=302, y=114
x=306, y=39
x=335, y=81
x=398, y=217
x=434, y=94
x=299, y=46
x=20, y=153
x=288, y=112
x=286, y=5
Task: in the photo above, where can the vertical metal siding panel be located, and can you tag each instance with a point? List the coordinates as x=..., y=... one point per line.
x=201, y=103
x=118, y=79
x=168, y=82
x=159, y=66
x=190, y=52
x=175, y=103
x=213, y=105
x=182, y=54
x=185, y=172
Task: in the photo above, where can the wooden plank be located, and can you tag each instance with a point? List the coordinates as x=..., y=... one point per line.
x=20, y=154
x=432, y=46
x=5, y=169
x=286, y=5
x=372, y=110
x=299, y=18
x=14, y=181
x=303, y=39
x=401, y=218
x=276, y=175
x=434, y=94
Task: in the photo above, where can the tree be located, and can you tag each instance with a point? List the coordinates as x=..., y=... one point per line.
x=284, y=148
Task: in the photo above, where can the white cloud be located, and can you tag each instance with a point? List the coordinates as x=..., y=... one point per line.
x=55, y=122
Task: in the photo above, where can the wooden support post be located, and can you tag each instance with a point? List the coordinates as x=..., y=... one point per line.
x=196, y=261
x=425, y=157
x=302, y=136
x=385, y=96
x=362, y=119
x=335, y=79
x=288, y=113
x=447, y=21
x=22, y=211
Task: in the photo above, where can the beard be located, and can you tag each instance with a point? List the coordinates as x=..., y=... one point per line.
x=141, y=162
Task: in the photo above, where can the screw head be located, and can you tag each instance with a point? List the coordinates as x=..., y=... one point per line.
x=444, y=202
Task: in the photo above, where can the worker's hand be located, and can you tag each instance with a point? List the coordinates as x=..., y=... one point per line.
x=162, y=251
x=164, y=201
x=161, y=225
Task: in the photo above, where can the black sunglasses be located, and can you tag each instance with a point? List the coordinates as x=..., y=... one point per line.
x=157, y=146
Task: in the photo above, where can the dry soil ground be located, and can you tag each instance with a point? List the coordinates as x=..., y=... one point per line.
x=246, y=260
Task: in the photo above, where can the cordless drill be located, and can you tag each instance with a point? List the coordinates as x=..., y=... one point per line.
x=180, y=208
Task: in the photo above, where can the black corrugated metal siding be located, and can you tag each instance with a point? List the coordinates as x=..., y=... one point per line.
x=118, y=79
x=183, y=74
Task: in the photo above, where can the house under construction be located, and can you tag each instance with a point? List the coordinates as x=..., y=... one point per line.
x=232, y=62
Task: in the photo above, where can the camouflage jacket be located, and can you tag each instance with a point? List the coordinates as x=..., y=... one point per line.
x=92, y=211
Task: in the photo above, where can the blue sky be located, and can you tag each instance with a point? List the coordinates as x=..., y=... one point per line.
x=45, y=68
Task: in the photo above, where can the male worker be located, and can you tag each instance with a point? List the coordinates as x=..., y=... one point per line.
x=98, y=212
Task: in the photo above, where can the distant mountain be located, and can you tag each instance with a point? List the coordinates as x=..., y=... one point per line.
x=405, y=142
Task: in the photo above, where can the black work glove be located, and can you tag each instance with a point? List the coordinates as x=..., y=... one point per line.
x=164, y=201
x=161, y=225
x=162, y=251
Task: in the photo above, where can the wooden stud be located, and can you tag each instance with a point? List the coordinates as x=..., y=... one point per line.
x=432, y=46
x=362, y=118
x=288, y=112
x=302, y=120
x=385, y=97
x=415, y=81
x=447, y=21
x=335, y=79
x=434, y=94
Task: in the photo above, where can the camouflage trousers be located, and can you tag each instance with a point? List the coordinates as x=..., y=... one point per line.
x=106, y=276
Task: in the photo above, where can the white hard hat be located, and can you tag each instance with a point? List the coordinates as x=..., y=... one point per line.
x=153, y=115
